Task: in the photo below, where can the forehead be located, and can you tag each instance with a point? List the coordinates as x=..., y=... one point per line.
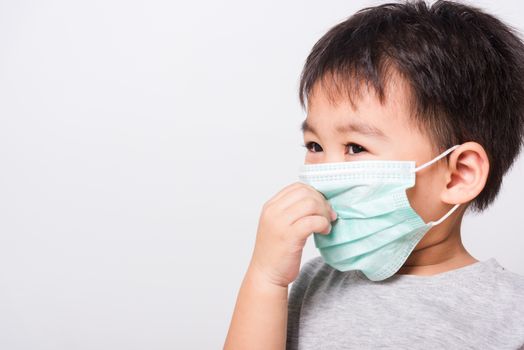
x=329, y=104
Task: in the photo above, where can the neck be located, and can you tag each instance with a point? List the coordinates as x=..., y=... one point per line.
x=439, y=252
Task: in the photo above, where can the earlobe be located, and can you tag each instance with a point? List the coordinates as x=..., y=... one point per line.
x=467, y=173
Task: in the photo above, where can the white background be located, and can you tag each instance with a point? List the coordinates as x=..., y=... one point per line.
x=138, y=143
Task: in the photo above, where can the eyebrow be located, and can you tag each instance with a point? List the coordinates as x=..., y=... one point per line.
x=360, y=128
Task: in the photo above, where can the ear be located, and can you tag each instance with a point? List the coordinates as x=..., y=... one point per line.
x=467, y=173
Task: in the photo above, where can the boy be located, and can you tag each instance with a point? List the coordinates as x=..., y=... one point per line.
x=402, y=82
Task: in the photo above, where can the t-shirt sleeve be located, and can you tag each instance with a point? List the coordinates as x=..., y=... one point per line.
x=296, y=294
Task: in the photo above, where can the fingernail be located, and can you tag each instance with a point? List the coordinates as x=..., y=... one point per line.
x=333, y=215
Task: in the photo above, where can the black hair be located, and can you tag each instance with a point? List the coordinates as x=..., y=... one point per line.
x=464, y=68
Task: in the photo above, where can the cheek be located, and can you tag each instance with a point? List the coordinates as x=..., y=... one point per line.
x=424, y=197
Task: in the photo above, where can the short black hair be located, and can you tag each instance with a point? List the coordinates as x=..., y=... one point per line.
x=464, y=68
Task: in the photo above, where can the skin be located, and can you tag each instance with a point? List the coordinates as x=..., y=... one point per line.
x=259, y=320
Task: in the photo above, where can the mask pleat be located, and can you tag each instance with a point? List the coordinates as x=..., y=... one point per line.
x=372, y=242
x=368, y=202
x=349, y=230
x=395, y=253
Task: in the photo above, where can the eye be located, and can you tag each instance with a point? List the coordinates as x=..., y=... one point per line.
x=313, y=147
x=353, y=148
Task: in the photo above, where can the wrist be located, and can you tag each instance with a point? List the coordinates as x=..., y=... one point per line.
x=259, y=278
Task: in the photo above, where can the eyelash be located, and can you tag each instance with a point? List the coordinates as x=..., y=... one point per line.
x=309, y=144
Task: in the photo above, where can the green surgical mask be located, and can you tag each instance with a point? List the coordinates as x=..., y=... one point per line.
x=376, y=229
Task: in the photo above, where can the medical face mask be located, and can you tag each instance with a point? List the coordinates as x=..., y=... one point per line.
x=376, y=229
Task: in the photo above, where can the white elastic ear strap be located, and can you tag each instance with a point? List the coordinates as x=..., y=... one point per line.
x=445, y=153
x=435, y=223
x=436, y=158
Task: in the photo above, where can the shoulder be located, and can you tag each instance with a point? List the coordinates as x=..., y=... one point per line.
x=510, y=283
x=310, y=274
x=508, y=292
x=315, y=275
x=312, y=269
x=313, y=265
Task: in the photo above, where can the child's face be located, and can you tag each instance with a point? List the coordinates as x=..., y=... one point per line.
x=375, y=131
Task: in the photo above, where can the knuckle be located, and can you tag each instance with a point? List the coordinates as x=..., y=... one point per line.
x=298, y=189
x=266, y=212
x=304, y=191
x=323, y=225
x=294, y=185
x=327, y=223
x=311, y=223
x=309, y=189
x=267, y=205
x=309, y=203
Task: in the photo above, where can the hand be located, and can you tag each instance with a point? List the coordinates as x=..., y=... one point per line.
x=286, y=221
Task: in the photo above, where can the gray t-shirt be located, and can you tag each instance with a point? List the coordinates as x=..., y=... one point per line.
x=479, y=306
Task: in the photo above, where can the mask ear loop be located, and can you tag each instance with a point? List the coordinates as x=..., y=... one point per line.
x=435, y=223
x=445, y=153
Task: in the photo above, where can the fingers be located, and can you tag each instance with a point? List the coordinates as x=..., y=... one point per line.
x=303, y=209
x=307, y=204
x=297, y=192
x=277, y=197
x=310, y=224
